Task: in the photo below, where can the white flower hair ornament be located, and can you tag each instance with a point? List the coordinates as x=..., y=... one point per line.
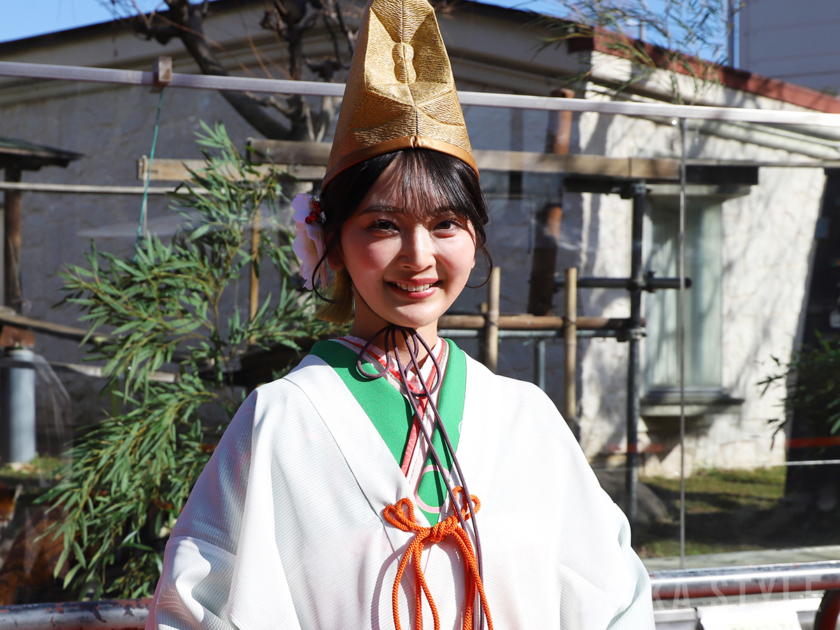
x=309, y=242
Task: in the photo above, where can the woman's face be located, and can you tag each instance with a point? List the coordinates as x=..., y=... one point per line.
x=406, y=269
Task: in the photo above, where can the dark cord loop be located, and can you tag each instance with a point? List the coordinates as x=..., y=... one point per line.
x=413, y=341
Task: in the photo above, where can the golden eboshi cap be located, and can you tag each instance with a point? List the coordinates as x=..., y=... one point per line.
x=400, y=91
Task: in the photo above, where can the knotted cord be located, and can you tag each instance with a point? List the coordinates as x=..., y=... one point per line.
x=413, y=341
x=401, y=516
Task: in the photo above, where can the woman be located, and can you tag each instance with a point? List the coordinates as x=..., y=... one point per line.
x=305, y=516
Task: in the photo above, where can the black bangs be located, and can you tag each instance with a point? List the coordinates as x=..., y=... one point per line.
x=431, y=181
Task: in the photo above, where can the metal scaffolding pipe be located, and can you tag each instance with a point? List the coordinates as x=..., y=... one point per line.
x=481, y=99
x=750, y=580
x=539, y=363
x=647, y=283
x=634, y=363
x=120, y=614
x=86, y=189
x=467, y=333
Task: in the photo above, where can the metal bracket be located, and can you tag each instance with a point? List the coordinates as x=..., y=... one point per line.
x=162, y=71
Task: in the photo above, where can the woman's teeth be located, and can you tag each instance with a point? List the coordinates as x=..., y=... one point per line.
x=414, y=288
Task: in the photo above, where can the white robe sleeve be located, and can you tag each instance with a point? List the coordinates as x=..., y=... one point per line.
x=202, y=562
x=638, y=610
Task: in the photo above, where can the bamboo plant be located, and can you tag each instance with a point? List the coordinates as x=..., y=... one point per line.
x=176, y=337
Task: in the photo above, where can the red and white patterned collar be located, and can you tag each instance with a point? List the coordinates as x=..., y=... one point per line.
x=439, y=351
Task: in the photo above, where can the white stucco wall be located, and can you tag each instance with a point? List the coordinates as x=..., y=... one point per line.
x=767, y=237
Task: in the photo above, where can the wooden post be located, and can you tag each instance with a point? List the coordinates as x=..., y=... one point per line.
x=570, y=332
x=11, y=252
x=255, y=252
x=491, y=330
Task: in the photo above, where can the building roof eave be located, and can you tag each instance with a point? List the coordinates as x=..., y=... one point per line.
x=728, y=77
x=28, y=156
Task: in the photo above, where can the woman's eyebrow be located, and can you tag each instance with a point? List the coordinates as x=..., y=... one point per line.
x=381, y=208
x=439, y=211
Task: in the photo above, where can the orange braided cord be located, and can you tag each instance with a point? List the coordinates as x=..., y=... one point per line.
x=401, y=516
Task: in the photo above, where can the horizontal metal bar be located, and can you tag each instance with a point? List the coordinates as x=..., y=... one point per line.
x=89, y=189
x=95, y=371
x=456, y=333
x=806, y=462
x=683, y=584
x=16, y=363
x=121, y=614
x=193, y=81
x=647, y=284
x=481, y=99
x=531, y=322
x=815, y=163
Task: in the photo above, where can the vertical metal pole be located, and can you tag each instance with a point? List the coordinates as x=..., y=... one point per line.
x=681, y=337
x=491, y=329
x=570, y=332
x=634, y=364
x=539, y=363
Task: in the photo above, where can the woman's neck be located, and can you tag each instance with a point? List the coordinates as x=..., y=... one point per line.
x=368, y=331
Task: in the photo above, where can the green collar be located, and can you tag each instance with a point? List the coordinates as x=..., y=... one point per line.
x=390, y=412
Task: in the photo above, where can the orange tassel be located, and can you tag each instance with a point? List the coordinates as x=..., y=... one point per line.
x=402, y=518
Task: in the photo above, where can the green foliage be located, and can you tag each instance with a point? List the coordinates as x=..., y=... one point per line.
x=813, y=387
x=688, y=36
x=171, y=305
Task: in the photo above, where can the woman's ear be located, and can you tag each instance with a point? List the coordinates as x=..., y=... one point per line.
x=334, y=255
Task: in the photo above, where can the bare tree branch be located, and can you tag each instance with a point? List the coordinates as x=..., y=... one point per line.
x=290, y=20
x=687, y=36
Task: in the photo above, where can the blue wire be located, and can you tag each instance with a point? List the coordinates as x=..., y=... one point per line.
x=148, y=178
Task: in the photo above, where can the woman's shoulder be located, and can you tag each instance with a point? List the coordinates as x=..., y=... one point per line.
x=290, y=383
x=312, y=376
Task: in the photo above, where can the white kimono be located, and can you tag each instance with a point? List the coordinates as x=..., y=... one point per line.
x=284, y=529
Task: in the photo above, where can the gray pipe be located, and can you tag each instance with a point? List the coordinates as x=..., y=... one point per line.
x=17, y=407
x=124, y=614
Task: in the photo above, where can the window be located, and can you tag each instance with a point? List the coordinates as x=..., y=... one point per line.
x=703, y=300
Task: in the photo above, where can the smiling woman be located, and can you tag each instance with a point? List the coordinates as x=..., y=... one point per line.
x=305, y=516
x=410, y=243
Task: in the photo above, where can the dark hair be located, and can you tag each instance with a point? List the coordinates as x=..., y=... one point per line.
x=430, y=179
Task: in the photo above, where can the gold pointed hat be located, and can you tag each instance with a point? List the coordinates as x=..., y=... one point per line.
x=400, y=91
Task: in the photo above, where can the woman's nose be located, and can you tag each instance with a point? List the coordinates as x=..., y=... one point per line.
x=417, y=250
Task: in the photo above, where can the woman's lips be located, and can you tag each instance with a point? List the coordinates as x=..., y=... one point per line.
x=415, y=290
x=411, y=288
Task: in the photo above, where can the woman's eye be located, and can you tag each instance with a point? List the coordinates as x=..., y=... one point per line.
x=448, y=225
x=382, y=225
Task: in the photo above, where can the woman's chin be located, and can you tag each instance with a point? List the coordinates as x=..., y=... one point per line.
x=416, y=316
x=417, y=321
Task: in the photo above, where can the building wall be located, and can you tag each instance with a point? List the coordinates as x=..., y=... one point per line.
x=767, y=235
x=792, y=41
